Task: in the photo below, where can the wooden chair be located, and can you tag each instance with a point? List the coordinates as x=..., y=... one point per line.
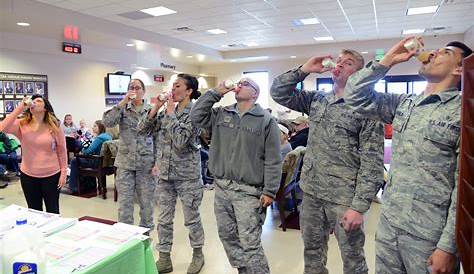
x=99, y=171
x=285, y=190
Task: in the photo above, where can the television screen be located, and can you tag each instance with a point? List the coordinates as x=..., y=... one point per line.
x=118, y=83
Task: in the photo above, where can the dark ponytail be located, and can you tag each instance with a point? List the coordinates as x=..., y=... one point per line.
x=191, y=83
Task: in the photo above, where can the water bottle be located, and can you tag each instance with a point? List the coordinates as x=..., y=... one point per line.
x=328, y=63
x=22, y=249
x=414, y=44
x=229, y=84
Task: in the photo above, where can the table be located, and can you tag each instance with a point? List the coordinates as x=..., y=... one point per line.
x=136, y=257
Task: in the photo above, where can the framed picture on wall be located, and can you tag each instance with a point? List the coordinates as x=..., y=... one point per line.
x=19, y=87
x=9, y=106
x=8, y=87
x=29, y=88
x=1, y=89
x=39, y=88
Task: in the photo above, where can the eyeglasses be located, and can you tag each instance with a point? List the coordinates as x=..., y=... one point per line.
x=134, y=87
x=246, y=84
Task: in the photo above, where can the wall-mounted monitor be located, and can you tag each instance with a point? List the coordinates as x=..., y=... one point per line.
x=117, y=84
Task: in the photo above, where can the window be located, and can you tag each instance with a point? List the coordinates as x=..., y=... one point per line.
x=398, y=84
x=417, y=87
x=380, y=86
x=397, y=87
x=324, y=84
x=261, y=78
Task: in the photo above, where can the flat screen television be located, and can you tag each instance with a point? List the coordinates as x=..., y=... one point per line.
x=117, y=84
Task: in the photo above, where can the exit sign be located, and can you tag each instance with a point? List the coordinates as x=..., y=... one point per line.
x=72, y=48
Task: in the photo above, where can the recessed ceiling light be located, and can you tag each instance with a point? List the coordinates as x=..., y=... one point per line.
x=306, y=21
x=233, y=60
x=142, y=68
x=189, y=56
x=293, y=56
x=364, y=52
x=23, y=24
x=323, y=38
x=412, y=31
x=216, y=31
x=158, y=11
x=200, y=57
x=175, y=52
x=130, y=45
x=203, y=75
x=422, y=10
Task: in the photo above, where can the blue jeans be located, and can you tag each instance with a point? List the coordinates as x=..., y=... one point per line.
x=10, y=160
x=74, y=170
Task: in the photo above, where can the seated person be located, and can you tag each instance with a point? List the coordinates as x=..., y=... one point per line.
x=70, y=131
x=8, y=156
x=300, y=137
x=285, y=146
x=100, y=136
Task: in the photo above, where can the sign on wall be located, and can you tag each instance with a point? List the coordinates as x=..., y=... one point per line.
x=15, y=86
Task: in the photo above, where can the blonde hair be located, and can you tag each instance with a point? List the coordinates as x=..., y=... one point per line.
x=49, y=119
x=356, y=56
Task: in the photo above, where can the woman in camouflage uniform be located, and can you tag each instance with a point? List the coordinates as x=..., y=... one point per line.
x=178, y=168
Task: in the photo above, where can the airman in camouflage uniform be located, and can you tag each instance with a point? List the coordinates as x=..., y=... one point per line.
x=178, y=167
x=135, y=156
x=245, y=158
x=416, y=228
x=342, y=167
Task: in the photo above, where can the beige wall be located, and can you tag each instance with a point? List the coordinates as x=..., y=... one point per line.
x=75, y=84
x=234, y=71
x=469, y=37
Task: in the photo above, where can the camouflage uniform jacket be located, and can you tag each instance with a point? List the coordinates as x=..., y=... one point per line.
x=135, y=150
x=422, y=190
x=177, y=144
x=343, y=162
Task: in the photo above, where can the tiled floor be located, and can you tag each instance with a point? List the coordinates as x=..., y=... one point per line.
x=283, y=249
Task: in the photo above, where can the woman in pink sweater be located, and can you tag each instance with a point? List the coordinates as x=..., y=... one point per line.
x=44, y=157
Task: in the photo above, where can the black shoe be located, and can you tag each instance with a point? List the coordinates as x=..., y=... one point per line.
x=3, y=184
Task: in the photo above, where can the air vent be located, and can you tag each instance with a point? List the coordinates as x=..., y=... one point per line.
x=435, y=29
x=135, y=15
x=184, y=29
x=236, y=45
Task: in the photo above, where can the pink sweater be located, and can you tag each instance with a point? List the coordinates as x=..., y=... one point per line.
x=43, y=152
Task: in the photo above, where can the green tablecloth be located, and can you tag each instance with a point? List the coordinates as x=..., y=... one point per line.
x=136, y=257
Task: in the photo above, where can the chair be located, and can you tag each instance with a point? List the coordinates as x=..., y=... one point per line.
x=109, y=152
x=286, y=189
x=99, y=171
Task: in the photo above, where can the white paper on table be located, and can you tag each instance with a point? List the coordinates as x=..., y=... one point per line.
x=80, y=231
x=57, y=225
x=84, y=258
x=56, y=251
x=131, y=228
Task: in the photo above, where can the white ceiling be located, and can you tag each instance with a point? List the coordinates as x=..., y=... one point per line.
x=269, y=22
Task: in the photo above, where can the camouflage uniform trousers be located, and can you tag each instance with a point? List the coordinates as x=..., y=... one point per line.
x=139, y=182
x=240, y=217
x=397, y=251
x=190, y=193
x=318, y=218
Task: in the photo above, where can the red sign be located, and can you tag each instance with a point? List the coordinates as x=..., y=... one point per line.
x=160, y=78
x=72, y=48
